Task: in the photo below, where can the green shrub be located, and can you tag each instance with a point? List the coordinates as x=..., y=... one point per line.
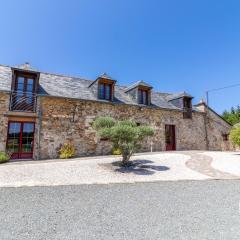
x=4, y=157
x=124, y=135
x=235, y=134
x=67, y=151
x=116, y=151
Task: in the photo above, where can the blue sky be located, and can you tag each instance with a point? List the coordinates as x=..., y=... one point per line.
x=190, y=45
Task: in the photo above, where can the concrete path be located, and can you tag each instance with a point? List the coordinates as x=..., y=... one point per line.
x=203, y=163
x=228, y=162
x=164, y=166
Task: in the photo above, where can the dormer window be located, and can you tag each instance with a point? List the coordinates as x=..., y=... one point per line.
x=105, y=91
x=143, y=96
x=103, y=87
x=140, y=92
x=24, y=87
x=187, y=107
x=182, y=101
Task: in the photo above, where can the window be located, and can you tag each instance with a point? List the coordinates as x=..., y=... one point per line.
x=20, y=139
x=187, y=102
x=187, y=108
x=225, y=137
x=24, y=83
x=142, y=96
x=105, y=91
x=23, y=92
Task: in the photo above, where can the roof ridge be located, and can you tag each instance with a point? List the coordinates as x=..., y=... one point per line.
x=124, y=87
x=49, y=73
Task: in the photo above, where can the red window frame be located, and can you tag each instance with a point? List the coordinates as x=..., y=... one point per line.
x=20, y=154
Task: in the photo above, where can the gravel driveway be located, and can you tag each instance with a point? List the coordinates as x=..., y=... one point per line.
x=183, y=210
x=164, y=166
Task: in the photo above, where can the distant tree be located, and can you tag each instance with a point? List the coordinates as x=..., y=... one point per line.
x=124, y=135
x=235, y=134
x=232, y=116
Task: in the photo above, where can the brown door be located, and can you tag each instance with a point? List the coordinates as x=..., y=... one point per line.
x=170, y=137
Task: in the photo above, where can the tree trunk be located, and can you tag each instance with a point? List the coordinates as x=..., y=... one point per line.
x=125, y=158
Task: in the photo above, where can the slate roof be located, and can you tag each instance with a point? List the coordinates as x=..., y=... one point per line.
x=102, y=76
x=106, y=76
x=26, y=66
x=178, y=95
x=138, y=83
x=78, y=88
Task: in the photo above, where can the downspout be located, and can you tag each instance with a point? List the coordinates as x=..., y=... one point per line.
x=39, y=128
x=205, y=126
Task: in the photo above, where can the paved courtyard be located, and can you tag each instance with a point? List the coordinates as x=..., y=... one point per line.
x=148, y=167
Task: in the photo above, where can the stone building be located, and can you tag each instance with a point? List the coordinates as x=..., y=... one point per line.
x=41, y=111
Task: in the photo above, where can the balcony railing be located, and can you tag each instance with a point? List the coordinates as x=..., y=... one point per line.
x=23, y=101
x=187, y=112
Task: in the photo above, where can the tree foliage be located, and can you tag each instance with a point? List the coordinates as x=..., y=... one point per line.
x=235, y=134
x=232, y=116
x=124, y=135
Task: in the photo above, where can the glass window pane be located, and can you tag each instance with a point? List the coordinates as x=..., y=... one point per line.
x=27, y=144
x=144, y=97
x=101, y=91
x=28, y=129
x=14, y=129
x=108, y=91
x=13, y=137
x=30, y=81
x=20, y=84
x=20, y=80
x=140, y=101
x=30, y=85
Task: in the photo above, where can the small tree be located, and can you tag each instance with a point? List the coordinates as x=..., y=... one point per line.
x=235, y=134
x=124, y=135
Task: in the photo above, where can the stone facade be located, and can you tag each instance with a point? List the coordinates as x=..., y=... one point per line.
x=65, y=120
x=4, y=104
x=67, y=106
x=216, y=128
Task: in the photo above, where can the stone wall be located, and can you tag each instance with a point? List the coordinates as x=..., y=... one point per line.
x=216, y=128
x=4, y=105
x=65, y=120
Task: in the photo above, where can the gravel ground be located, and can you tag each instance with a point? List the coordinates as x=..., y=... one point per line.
x=183, y=210
x=226, y=161
x=154, y=167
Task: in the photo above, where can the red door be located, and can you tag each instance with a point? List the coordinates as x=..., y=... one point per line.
x=20, y=139
x=170, y=137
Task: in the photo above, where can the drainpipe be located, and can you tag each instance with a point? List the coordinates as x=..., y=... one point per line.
x=206, y=121
x=39, y=128
x=206, y=131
